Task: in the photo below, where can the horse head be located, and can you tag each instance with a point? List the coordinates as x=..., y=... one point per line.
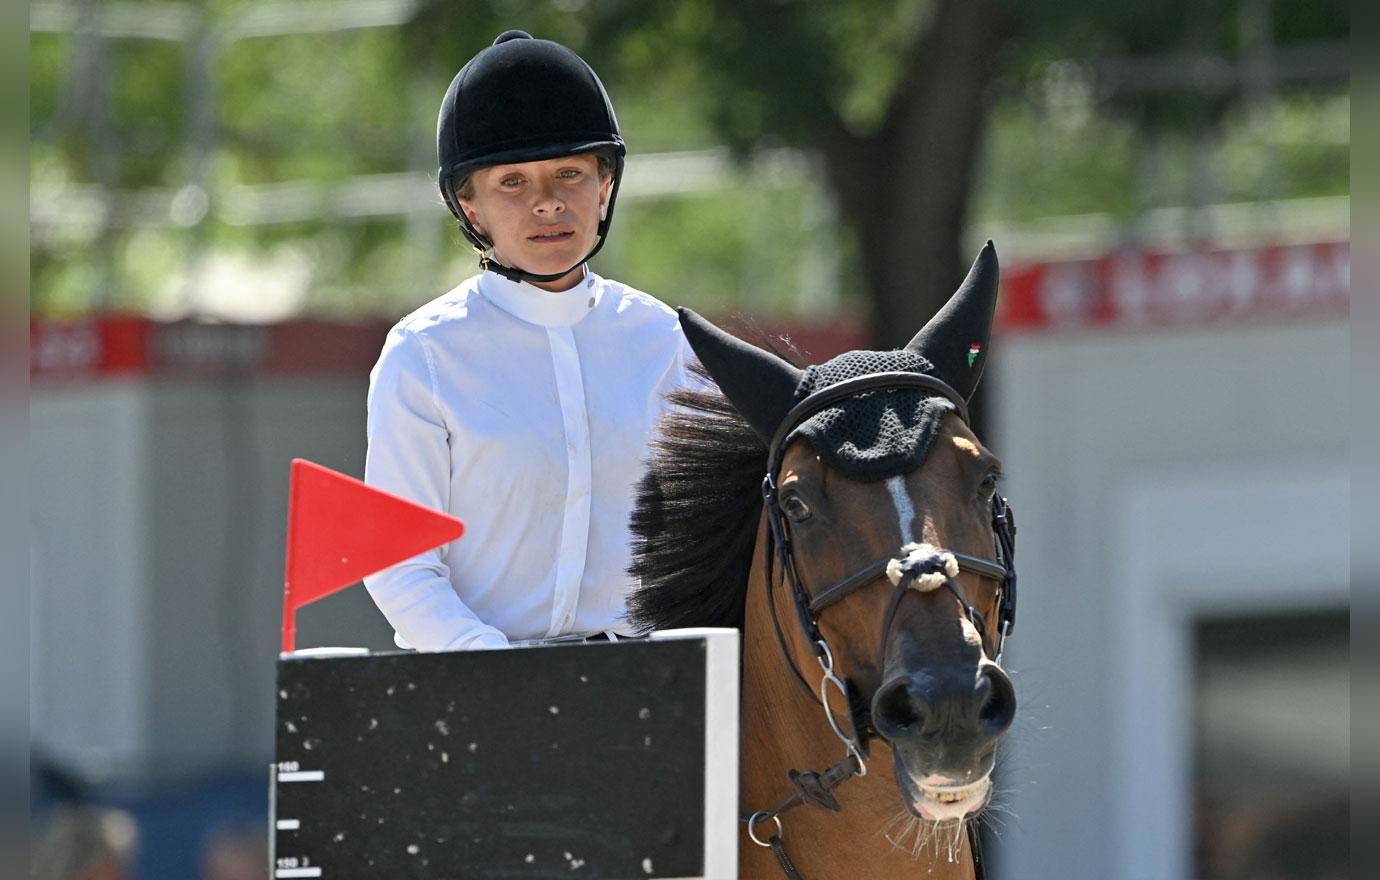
x=888, y=537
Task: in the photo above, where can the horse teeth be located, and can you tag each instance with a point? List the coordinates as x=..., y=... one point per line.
x=951, y=795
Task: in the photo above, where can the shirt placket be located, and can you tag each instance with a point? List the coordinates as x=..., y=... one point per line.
x=570, y=561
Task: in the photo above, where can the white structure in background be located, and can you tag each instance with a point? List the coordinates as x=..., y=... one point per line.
x=157, y=543
x=1175, y=431
x=1170, y=462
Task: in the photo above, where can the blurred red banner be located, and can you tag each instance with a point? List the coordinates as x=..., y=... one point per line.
x=1133, y=289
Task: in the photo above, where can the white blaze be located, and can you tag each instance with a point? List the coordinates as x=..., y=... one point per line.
x=905, y=511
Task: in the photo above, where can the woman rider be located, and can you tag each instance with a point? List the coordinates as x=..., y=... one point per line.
x=522, y=400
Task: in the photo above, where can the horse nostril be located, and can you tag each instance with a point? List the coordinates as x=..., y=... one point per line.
x=896, y=711
x=999, y=704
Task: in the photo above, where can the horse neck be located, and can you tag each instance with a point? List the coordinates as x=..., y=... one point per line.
x=784, y=729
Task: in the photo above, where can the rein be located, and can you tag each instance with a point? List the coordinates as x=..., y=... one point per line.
x=923, y=567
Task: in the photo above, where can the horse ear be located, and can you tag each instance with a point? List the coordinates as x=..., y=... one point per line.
x=955, y=340
x=760, y=385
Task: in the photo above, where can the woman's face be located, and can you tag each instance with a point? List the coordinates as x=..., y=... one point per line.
x=543, y=217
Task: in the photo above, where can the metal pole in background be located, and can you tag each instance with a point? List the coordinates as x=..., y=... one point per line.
x=93, y=55
x=192, y=205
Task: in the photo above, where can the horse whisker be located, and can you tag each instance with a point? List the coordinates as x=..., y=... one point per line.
x=893, y=821
x=898, y=842
x=991, y=819
x=956, y=843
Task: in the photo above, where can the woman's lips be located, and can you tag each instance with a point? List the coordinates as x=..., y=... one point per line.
x=551, y=236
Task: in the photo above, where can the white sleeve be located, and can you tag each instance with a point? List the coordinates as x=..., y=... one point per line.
x=409, y=455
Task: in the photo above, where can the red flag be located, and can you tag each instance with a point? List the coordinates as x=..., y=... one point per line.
x=340, y=530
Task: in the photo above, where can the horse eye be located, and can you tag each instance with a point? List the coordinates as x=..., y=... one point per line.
x=796, y=509
x=989, y=486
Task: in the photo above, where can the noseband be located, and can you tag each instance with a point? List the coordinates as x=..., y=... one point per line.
x=817, y=788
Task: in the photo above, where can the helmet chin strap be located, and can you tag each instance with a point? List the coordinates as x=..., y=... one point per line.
x=489, y=264
x=512, y=273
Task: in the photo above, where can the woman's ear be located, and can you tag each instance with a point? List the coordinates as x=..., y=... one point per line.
x=472, y=215
x=605, y=187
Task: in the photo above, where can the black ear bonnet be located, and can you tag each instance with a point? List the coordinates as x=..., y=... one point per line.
x=877, y=434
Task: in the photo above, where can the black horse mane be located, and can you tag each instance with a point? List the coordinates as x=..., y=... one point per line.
x=694, y=523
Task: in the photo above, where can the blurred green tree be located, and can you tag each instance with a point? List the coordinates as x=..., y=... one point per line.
x=896, y=98
x=896, y=95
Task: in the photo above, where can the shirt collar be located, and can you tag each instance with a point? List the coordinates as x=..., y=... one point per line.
x=543, y=307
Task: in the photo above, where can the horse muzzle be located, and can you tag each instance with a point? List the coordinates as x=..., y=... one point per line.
x=943, y=731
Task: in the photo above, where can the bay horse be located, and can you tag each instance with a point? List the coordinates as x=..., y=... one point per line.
x=847, y=520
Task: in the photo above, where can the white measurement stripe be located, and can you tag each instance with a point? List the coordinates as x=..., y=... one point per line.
x=302, y=776
x=297, y=872
x=289, y=824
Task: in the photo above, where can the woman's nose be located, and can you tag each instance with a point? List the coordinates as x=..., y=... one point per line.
x=548, y=202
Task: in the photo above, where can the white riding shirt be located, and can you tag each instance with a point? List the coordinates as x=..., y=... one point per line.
x=528, y=415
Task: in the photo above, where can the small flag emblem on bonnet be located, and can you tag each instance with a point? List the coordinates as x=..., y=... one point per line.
x=973, y=353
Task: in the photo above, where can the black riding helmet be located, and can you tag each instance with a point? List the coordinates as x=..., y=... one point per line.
x=523, y=100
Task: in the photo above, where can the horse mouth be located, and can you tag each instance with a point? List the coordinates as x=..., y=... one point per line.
x=939, y=803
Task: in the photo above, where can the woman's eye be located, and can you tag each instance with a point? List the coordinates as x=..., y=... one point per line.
x=510, y=181
x=796, y=509
x=570, y=173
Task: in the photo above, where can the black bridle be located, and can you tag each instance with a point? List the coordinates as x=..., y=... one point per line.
x=817, y=788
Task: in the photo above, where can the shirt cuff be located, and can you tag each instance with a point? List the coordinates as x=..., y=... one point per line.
x=486, y=639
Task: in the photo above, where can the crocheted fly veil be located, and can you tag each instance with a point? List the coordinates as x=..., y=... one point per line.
x=877, y=434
